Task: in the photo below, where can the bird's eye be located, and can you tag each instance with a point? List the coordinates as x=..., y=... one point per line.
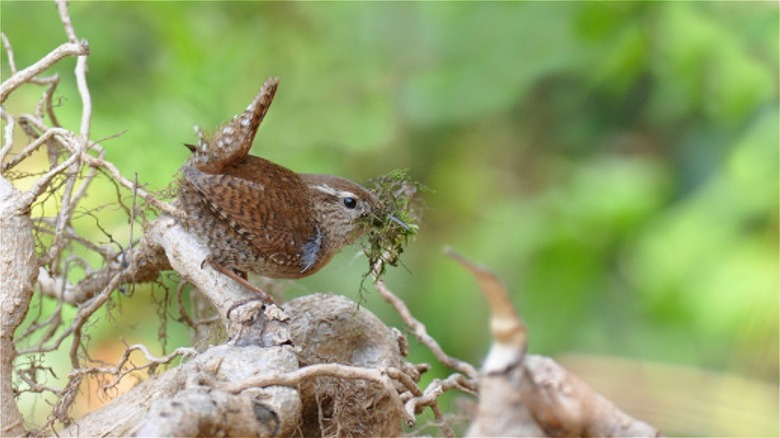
x=350, y=202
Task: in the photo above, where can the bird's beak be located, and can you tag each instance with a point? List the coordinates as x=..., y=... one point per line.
x=379, y=222
x=401, y=223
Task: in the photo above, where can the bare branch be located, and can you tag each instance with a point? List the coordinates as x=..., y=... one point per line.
x=431, y=398
x=186, y=255
x=9, y=51
x=75, y=146
x=150, y=406
x=152, y=362
x=80, y=72
x=508, y=330
x=42, y=184
x=562, y=404
x=32, y=147
x=8, y=136
x=17, y=257
x=24, y=76
x=145, y=195
x=420, y=331
x=47, y=98
x=523, y=395
x=62, y=8
x=384, y=377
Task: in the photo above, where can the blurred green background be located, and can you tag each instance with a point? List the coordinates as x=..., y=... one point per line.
x=615, y=163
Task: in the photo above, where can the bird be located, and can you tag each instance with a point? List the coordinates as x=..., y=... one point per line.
x=258, y=216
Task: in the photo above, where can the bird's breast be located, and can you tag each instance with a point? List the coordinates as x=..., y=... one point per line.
x=311, y=249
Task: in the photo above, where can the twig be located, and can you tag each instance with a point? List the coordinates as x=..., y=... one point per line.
x=9, y=51
x=21, y=77
x=8, y=136
x=42, y=183
x=67, y=206
x=182, y=311
x=45, y=104
x=32, y=147
x=384, y=377
x=419, y=329
x=152, y=362
x=69, y=141
x=28, y=376
x=67, y=24
x=86, y=98
x=431, y=396
x=510, y=335
x=86, y=182
x=146, y=196
x=43, y=225
x=82, y=315
x=53, y=324
x=432, y=393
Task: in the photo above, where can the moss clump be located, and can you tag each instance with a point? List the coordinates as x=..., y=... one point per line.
x=400, y=211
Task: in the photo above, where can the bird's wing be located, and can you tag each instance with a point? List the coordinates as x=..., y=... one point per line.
x=265, y=203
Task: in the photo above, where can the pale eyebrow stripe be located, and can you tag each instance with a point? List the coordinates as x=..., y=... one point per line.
x=331, y=191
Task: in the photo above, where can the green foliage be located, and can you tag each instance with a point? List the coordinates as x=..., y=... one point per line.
x=398, y=213
x=615, y=163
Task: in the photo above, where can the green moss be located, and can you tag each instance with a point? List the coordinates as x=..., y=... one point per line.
x=397, y=219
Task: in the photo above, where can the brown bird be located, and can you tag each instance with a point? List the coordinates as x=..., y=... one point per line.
x=260, y=217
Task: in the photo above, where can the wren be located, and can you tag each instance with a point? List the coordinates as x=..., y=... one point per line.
x=257, y=216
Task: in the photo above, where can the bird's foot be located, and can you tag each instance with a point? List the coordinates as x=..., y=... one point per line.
x=242, y=281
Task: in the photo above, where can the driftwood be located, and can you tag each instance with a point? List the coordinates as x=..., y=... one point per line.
x=527, y=395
